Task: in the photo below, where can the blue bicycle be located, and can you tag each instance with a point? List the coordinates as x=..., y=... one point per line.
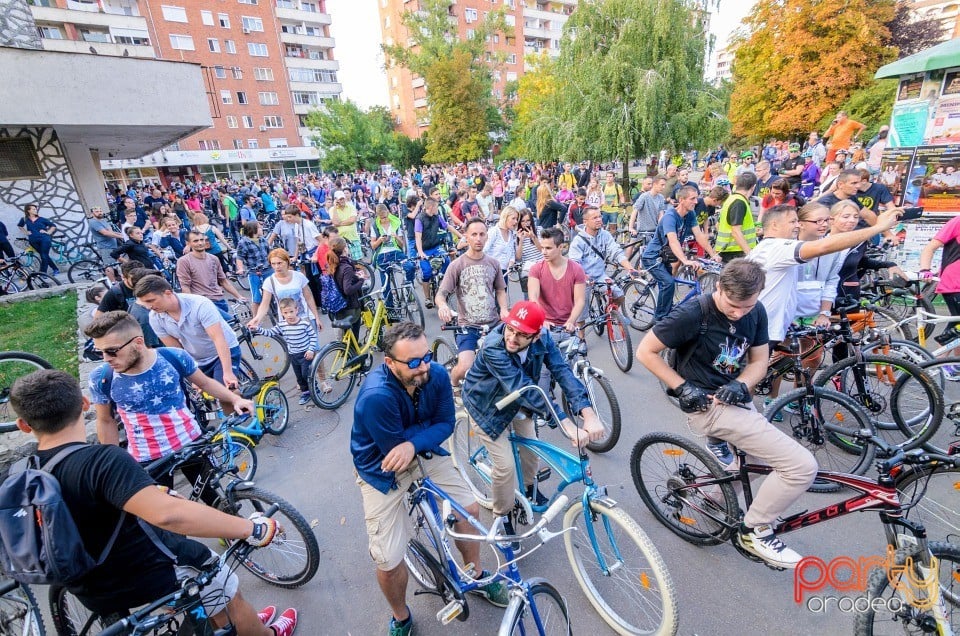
x=640, y=302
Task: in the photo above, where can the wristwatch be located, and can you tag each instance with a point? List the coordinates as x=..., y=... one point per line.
x=825, y=312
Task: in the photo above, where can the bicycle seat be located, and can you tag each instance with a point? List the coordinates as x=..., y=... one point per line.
x=344, y=323
x=249, y=391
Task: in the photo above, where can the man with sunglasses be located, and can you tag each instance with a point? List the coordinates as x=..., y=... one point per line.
x=512, y=356
x=404, y=408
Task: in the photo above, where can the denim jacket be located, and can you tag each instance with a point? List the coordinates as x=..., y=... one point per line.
x=496, y=373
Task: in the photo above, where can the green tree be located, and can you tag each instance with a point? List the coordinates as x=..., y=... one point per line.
x=455, y=111
x=871, y=105
x=352, y=139
x=632, y=83
x=410, y=152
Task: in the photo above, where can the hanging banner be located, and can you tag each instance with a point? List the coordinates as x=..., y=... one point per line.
x=908, y=123
x=945, y=128
x=894, y=171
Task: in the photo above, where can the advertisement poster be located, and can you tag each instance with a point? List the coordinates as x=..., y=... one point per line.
x=894, y=171
x=918, y=237
x=951, y=83
x=910, y=87
x=931, y=86
x=908, y=124
x=936, y=177
x=945, y=128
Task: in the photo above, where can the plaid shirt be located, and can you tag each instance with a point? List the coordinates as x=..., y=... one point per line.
x=253, y=254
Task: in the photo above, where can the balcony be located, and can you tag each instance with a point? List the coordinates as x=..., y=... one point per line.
x=102, y=48
x=307, y=40
x=86, y=17
x=315, y=87
x=296, y=15
x=418, y=82
x=306, y=62
x=420, y=103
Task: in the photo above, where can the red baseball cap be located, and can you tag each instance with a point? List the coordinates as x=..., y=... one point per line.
x=526, y=317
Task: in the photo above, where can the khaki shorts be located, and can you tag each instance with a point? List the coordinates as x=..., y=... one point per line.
x=221, y=589
x=388, y=524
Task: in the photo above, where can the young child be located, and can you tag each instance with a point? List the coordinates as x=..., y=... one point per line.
x=300, y=336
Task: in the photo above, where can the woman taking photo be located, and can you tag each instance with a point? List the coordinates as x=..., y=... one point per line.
x=502, y=240
x=285, y=283
x=39, y=233
x=528, y=248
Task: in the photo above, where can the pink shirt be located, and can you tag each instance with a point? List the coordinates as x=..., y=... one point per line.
x=556, y=296
x=950, y=262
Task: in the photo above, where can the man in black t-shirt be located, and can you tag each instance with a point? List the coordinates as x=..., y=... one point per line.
x=792, y=168
x=100, y=483
x=722, y=355
x=850, y=186
x=765, y=180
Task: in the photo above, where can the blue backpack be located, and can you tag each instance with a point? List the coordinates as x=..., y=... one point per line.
x=331, y=300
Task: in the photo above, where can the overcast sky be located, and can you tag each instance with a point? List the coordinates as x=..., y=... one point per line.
x=358, y=40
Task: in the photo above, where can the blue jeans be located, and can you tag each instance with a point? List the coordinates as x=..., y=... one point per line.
x=42, y=243
x=408, y=267
x=425, y=267
x=665, y=285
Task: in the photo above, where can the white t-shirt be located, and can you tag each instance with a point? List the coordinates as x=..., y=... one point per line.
x=293, y=289
x=780, y=259
x=292, y=233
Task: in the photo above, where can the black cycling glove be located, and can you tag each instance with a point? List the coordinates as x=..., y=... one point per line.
x=733, y=392
x=692, y=399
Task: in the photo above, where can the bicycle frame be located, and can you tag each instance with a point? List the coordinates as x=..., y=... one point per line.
x=377, y=322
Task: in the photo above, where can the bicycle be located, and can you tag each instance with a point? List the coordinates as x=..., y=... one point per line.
x=604, y=312
x=60, y=253
x=614, y=561
x=268, y=354
x=180, y=612
x=535, y=605
x=640, y=300
x=688, y=491
x=19, y=612
x=15, y=277
x=403, y=304
x=13, y=365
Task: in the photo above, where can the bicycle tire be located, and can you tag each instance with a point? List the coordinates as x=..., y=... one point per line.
x=13, y=365
x=470, y=457
x=247, y=373
x=598, y=305
x=274, y=361
x=67, y=613
x=328, y=367
x=85, y=271
x=708, y=282
x=42, y=280
x=407, y=306
x=545, y=613
x=661, y=482
x=239, y=451
x=20, y=615
x=899, y=396
x=424, y=561
x=444, y=353
x=605, y=405
x=837, y=448
x=303, y=548
x=908, y=619
x=621, y=344
x=640, y=304
x=636, y=595
x=243, y=281
x=273, y=410
x=936, y=487
x=943, y=373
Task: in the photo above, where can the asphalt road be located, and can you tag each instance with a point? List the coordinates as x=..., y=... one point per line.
x=718, y=591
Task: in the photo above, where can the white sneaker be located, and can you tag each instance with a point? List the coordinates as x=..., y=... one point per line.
x=762, y=542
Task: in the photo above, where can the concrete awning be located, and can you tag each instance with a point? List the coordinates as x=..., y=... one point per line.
x=122, y=107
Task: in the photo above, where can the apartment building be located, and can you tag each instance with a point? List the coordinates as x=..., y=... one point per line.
x=266, y=64
x=946, y=12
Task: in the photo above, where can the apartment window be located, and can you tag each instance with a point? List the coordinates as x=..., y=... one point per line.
x=511, y=20
x=252, y=24
x=278, y=142
x=50, y=32
x=308, y=6
x=247, y=1
x=241, y=97
x=232, y=122
x=230, y=47
x=209, y=144
x=286, y=4
x=253, y=143
x=496, y=39
x=238, y=144
x=213, y=44
x=497, y=76
x=470, y=34
x=130, y=39
x=304, y=99
x=174, y=14
x=256, y=49
x=509, y=3
x=268, y=98
x=263, y=74
x=512, y=58
x=219, y=72
x=511, y=76
x=386, y=22
x=247, y=121
x=224, y=20
x=273, y=121
x=51, y=3
x=207, y=18
x=470, y=15
x=226, y=97
x=89, y=35
x=181, y=42
x=237, y=72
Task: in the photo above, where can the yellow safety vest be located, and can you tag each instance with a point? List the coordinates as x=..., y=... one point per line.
x=725, y=242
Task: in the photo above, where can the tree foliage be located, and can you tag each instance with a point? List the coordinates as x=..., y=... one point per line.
x=456, y=109
x=351, y=138
x=535, y=88
x=801, y=59
x=870, y=105
x=629, y=80
x=410, y=152
x=912, y=36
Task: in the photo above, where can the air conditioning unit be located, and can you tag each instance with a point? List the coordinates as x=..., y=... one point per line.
x=263, y=129
x=246, y=31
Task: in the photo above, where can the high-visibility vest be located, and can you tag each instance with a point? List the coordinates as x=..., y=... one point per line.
x=725, y=242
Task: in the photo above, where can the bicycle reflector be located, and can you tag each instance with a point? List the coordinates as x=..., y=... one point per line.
x=954, y=448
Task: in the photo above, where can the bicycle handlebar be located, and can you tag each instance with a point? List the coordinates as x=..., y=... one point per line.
x=510, y=398
x=492, y=537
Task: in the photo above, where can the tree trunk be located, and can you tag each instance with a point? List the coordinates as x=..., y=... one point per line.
x=626, y=173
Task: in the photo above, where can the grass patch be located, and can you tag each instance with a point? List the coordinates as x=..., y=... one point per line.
x=46, y=327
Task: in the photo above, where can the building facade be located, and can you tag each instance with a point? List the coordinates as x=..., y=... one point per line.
x=266, y=64
x=946, y=12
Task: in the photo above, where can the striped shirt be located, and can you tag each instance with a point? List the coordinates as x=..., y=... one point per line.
x=299, y=337
x=151, y=406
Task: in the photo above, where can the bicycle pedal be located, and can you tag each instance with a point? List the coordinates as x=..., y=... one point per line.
x=450, y=612
x=543, y=475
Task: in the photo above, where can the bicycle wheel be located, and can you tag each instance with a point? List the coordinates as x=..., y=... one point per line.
x=669, y=472
x=237, y=450
x=621, y=344
x=598, y=306
x=605, y=404
x=289, y=561
x=424, y=561
x=444, y=353
x=407, y=306
x=945, y=374
x=826, y=424
x=242, y=280
x=934, y=491
x=19, y=613
x=906, y=349
x=640, y=304
x=85, y=271
x=269, y=357
x=42, y=280
x=886, y=321
x=273, y=410
x=471, y=459
x=898, y=395
x=15, y=364
x=631, y=589
x=331, y=380
x=708, y=282
x=69, y=616
x=247, y=374
x=890, y=611
x=545, y=612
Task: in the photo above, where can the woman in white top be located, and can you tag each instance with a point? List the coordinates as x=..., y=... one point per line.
x=299, y=235
x=594, y=193
x=528, y=247
x=285, y=283
x=502, y=240
x=517, y=203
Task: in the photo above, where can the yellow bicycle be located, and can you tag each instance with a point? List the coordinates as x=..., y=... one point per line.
x=339, y=365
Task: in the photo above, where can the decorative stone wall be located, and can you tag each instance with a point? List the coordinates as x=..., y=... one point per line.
x=56, y=193
x=17, y=27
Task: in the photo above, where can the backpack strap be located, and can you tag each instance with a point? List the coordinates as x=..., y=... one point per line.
x=704, y=301
x=592, y=246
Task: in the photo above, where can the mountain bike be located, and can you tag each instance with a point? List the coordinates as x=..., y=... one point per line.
x=605, y=315
x=614, y=561
x=687, y=490
x=268, y=355
x=61, y=253
x=640, y=297
x=402, y=301
x=19, y=612
x=15, y=277
x=13, y=365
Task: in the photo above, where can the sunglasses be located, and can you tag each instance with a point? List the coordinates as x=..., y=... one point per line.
x=113, y=351
x=414, y=363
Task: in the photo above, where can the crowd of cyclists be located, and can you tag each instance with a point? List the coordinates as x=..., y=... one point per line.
x=792, y=225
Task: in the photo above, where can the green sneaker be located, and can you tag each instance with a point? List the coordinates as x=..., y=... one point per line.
x=496, y=593
x=401, y=628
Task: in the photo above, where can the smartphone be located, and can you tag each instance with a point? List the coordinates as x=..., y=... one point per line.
x=911, y=213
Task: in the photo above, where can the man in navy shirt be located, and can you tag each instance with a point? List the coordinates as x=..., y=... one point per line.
x=672, y=230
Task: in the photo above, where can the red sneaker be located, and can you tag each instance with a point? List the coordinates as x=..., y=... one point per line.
x=287, y=622
x=267, y=614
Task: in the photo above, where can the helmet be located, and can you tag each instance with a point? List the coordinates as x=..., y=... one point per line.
x=723, y=181
x=745, y=154
x=526, y=317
